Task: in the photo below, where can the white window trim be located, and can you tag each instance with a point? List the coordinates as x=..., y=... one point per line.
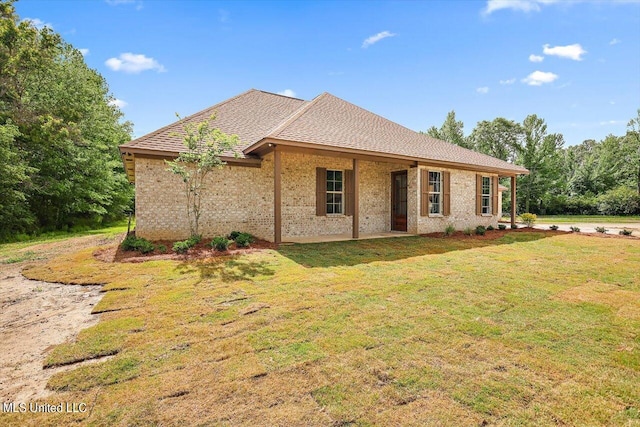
x=487, y=195
x=342, y=205
x=441, y=193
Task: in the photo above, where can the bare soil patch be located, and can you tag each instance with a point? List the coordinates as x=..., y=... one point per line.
x=36, y=316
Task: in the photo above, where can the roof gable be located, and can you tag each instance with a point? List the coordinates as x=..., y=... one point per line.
x=250, y=115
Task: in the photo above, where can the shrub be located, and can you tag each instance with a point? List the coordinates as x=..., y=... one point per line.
x=490, y=228
x=514, y=226
x=162, y=249
x=625, y=232
x=553, y=227
x=234, y=235
x=181, y=247
x=601, y=230
x=449, y=230
x=468, y=231
x=140, y=244
x=619, y=201
x=220, y=243
x=194, y=240
x=243, y=240
x=574, y=229
x=502, y=226
x=528, y=219
x=480, y=230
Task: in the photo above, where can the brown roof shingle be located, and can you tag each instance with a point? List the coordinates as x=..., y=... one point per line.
x=325, y=121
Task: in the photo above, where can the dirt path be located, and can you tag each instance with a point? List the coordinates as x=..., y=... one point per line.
x=35, y=316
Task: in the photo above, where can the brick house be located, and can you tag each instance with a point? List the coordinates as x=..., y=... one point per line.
x=316, y=168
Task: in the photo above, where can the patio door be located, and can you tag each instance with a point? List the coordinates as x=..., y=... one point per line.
x=399, y=201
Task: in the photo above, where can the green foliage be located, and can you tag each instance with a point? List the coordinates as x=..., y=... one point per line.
x=243, y=240
x=528, y=218
x=601, y=230
x=498, y=138
x=619, y=201
x=553, y=227
x=205, y=147
x=220, y=243
x=234, y=234
x=481, y=230
x=540, y=153
x=514, y=226
x=490, y=228
x=468, y=231
x=449, y=230
x=502, y=226
x=162, y=249
x=450, y=131
x=574, y=229
x=59, y=162
x=194, y=240
x=183, y=246
x=625, y=232
x=140, y=244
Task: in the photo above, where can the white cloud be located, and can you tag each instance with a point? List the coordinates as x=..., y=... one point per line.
x=84, y=51
x=571, y=51
x=612, y=102
x=508, y=81
x=482, y=90
x=536, y=58
x=614, y=41
x=38, y=23
x=118, y=103
x=519, y=5
x=612, y=122
x=287, y=92
x=136, y=3
x=538, y=78
x=134, y=63
x=536, y=5
x=376, y=38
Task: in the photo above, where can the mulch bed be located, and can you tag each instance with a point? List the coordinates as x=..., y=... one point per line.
x=493, y=234
x=200, y=251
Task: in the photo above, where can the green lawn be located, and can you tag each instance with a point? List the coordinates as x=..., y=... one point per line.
x=527, y=329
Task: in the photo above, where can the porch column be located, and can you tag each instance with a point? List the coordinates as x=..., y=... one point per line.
x=513, y=201
x=277, y=197
x=356, y=199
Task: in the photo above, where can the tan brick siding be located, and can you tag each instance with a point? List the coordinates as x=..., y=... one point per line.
x=463, y=205
x=241, y=198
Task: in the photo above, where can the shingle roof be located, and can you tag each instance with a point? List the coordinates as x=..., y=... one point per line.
x=325, y=121
x=250, y=115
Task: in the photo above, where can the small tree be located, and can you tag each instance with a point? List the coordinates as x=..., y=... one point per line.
x=205, y=146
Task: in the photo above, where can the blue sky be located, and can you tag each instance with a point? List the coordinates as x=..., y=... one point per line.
x=574, y=63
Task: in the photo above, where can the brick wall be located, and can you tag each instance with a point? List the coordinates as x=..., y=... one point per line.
x=463, y=205
x=241, y=198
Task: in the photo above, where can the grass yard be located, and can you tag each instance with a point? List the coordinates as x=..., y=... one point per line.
x=528, y=329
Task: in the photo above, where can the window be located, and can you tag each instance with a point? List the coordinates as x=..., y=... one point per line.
x=334, y=192
x=486, y=195
x=435, y=192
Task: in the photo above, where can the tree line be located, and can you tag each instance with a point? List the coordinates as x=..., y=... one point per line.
x=595, y=177
x=59, y=163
